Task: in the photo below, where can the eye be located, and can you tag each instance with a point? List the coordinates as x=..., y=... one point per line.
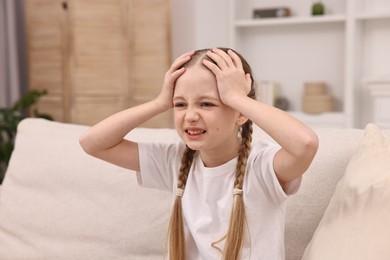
x=207, y=104
x=179, y=104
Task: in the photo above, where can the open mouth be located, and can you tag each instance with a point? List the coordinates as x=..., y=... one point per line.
x=195, y=132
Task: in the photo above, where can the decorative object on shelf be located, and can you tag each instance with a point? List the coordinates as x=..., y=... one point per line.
x=9, y=120
x=315, y=98
x=282, y=103
x=271, y=12
x=318, y=8
x=267, y=91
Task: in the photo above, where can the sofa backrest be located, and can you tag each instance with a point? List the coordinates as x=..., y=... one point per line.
x=59, y=203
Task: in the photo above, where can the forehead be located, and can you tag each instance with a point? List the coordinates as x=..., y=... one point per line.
x=196, y=80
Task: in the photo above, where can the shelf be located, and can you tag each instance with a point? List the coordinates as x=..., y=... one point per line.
x=338, y=48
x=378, y=86
x=376, y=80
x=323, y=120
x=373, y=16
x=290, y=21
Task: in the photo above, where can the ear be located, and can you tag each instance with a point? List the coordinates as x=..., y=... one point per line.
x=241, y=119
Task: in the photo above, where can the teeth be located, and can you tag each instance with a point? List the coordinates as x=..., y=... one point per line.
x=195, y=132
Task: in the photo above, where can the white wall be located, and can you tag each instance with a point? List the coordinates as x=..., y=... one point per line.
x=199, y=24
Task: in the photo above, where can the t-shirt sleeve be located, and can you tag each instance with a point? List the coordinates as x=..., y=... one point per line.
x=264, y=154
x=159, y=164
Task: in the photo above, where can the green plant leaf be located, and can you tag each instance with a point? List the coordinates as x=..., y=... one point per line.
x=9, y=120
x=29, y=99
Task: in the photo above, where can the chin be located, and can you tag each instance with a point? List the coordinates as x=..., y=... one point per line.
x=192, y=146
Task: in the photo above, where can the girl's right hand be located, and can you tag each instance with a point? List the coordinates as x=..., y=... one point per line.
x=174, y=72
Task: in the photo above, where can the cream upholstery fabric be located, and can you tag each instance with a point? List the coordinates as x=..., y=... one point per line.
x=356, y=224
x=58, y=203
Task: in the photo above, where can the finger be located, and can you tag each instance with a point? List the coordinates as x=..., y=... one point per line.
x=173, y=76
x=181, y=60
x=228, y=60
x=177, y=73
x=235, y=58
x=211, y=66
x=189, y=53
x=217, y=59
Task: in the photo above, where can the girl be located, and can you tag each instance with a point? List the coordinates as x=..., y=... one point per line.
x=229, y=196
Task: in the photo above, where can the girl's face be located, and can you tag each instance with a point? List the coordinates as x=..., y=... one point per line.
x=202, y=120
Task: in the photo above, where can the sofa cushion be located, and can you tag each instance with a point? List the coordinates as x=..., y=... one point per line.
x=59, y=203
x=356, y=224
x=306, y=208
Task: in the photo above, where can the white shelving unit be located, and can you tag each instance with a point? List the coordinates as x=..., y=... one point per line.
x=379, y=94
x=349, y=43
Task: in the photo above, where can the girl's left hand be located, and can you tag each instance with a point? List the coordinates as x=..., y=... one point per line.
x=232, y=82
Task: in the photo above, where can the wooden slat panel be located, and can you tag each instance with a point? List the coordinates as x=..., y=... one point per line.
x=97, y=57
x=99, y=77
x=46, y=70
x=46, y=42
x=151, y=53
x=151, y=50
x=53, y=106
x=89, y=111
x=98, y=60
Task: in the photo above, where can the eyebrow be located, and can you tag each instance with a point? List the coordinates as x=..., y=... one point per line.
x=200, y=97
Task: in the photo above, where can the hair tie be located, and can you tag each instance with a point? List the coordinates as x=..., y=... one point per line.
x=237, y=191
x=179, y=192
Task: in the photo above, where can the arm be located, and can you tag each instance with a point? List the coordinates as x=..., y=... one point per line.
x=298, y=143
x=105, y=140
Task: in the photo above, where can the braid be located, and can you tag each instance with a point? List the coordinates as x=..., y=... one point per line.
x=246, y=135
x=186, y=162
x=176, y=227
x=235, y=234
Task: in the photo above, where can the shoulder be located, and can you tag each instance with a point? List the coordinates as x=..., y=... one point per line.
x=160, y=150
x=260, y=160
x=158, y=147
x=159, y=163
x=261, y=163
x=261, y=148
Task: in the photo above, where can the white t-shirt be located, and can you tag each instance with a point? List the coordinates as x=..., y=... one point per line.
x=208, y=199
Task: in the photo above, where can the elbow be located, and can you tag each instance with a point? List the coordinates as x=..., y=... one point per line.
x=306, y=147
x=311, y=143
x=86, y=144
x=305, y=155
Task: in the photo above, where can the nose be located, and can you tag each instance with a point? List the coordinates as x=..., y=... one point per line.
x=191, y=115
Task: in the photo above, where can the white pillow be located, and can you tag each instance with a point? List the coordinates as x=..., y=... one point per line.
x=356, y=223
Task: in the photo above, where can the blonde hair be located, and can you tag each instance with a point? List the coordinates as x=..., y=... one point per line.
x=235, y=232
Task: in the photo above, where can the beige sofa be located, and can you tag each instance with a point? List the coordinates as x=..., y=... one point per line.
x=58, y=203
